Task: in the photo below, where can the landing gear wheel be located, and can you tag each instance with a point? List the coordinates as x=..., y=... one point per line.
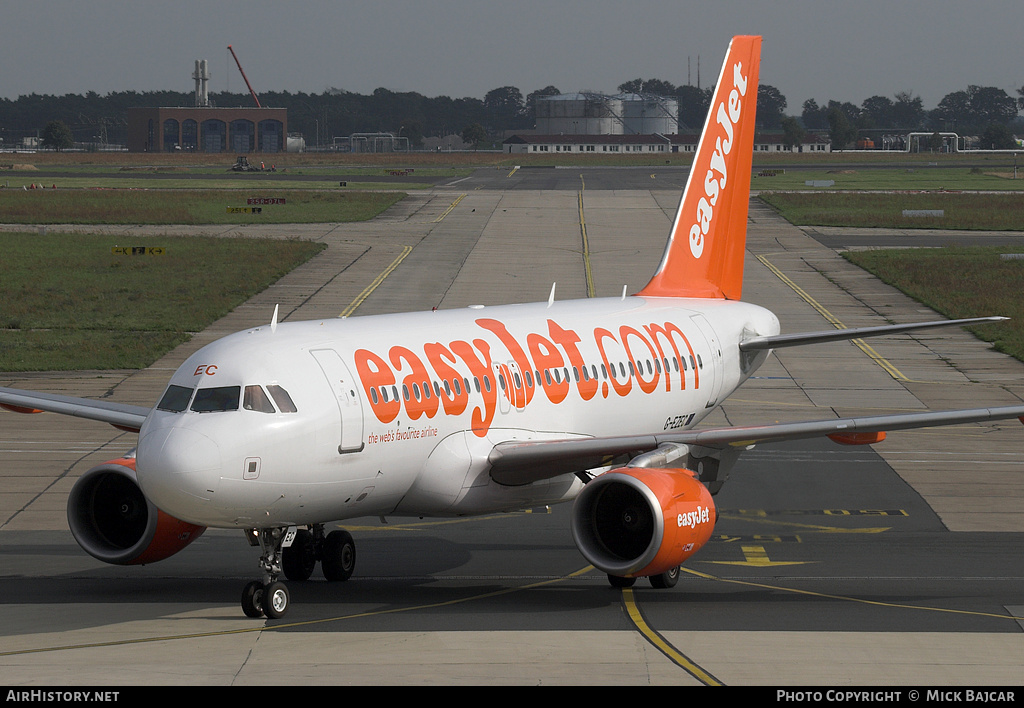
x=668, y=579
x=339, y=556
x=275, y=600
x=252, y=599
x=267, y=597
x=299, y=560
x=617, y=581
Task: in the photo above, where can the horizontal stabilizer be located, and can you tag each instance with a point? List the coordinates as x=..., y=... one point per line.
x=835, y=335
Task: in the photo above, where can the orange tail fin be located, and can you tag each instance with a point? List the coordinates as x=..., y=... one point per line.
x=704, y=255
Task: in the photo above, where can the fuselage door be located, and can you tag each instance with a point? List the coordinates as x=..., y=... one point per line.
x=517, y=386
x=505, y=392
x=343, y=385
x=711, y=375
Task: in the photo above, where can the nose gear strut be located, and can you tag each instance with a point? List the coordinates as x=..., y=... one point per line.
x=294, y=552
x=268, y=597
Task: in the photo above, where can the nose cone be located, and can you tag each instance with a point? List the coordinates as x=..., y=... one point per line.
x=178, y=470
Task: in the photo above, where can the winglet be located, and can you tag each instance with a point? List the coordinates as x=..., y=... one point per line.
x=704, y=255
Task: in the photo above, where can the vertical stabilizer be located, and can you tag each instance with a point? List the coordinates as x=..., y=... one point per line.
x=704, y=255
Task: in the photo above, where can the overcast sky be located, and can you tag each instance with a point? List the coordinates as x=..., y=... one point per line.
x=817, y=49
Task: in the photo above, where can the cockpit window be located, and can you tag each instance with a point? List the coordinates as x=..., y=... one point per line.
x=222, y=398
x=175, y=399
x=282, y=399
x=254, y=399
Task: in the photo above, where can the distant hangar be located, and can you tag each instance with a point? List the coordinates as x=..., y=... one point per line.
x=207, y=129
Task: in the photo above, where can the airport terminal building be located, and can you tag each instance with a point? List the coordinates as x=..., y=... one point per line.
x=210, y=130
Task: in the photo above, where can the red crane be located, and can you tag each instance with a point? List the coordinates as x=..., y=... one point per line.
x=244, y=77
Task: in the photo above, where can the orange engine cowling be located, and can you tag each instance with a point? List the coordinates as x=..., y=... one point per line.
x=635, y=522
x=113, y=521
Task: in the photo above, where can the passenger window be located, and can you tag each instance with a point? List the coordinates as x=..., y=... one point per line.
x=175, y=399
x=255, y=399
x=211, y=400
x=282, y=399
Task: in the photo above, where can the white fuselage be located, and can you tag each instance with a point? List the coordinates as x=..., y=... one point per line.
x=397, y=414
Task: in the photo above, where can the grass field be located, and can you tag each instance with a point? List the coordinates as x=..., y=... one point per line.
x=70, y=303
x=959, y=282
x=996, y=212
x=195, y=206
x=887, y=178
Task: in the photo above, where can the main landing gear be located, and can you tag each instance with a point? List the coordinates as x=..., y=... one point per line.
x=294, y=552
x=668, y=579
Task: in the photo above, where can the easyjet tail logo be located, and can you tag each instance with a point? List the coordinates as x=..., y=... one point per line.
x=474, y=374
x=727, y=115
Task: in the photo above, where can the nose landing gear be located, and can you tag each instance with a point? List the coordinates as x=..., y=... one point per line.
x=295, y=553
x=268, y=597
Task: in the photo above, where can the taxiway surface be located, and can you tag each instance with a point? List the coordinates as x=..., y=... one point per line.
x=831, y=565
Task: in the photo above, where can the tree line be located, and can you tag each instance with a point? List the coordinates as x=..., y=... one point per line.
x=96, y=119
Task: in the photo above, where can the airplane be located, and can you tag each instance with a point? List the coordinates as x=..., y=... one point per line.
x=283, y=428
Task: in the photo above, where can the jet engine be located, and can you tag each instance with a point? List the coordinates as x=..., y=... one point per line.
x=636, y=522
x=113, y=521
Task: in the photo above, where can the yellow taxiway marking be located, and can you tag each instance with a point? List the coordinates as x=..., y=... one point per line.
x=406, y=250
x=307, y=623
x=659, y=642
x=847, y=598
x=819, y=528
x=449, y=209
x=864, y=347
x=586, y=243
x=757, y=557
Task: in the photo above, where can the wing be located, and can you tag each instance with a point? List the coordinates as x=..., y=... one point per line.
x=120, y=415
x=518, y=462
x=834, y=335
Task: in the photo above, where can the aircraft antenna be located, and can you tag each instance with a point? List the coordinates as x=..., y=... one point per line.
x=551, y=297
x=273, y=320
